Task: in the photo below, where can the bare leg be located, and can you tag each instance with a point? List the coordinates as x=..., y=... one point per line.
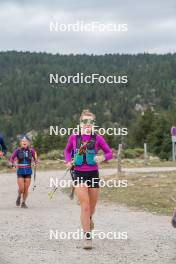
x=20, y=182
x=83, y=197
x=93, y=197
x=26, y=187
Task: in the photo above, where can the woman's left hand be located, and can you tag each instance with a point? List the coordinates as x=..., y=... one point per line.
x=99, y=159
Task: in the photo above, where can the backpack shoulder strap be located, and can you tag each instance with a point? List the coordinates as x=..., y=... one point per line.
x=93, y=136
x=91, y=144
x=19, y=151
x=78, y=141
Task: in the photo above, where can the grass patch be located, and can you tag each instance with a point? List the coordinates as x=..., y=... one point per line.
x=150, y=192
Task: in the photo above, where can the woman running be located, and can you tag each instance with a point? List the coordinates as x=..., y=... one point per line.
x=3, y=148
x=23, y=155
x=86, y=175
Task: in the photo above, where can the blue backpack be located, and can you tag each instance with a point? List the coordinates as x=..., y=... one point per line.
x=90, y=153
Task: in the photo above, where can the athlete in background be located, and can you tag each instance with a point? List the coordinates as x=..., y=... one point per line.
x=3, y=148
x=22, y=159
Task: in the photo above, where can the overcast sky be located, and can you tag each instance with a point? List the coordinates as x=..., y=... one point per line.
x=24, y=25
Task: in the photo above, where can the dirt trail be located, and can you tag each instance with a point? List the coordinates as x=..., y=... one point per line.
x=25, y=233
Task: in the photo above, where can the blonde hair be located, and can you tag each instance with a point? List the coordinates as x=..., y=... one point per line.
x=86, y=112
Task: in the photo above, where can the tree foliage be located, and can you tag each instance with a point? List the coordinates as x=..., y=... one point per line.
x=28, y=102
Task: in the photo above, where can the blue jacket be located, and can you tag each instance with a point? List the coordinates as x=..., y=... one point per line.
x=2, y=145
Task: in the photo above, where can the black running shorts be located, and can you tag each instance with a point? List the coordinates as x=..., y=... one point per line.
x=89, y=178
x=24, y=176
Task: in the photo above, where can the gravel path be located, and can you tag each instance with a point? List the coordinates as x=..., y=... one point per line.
x=25, y=239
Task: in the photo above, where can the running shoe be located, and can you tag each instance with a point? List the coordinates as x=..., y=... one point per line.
x=18, y=201
x=87, y=243
x=23, y=205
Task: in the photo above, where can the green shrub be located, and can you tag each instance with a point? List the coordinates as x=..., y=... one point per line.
x=53, y=155
x=133, y=153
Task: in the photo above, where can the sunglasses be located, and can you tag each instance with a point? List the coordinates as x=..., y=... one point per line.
x=87, y=122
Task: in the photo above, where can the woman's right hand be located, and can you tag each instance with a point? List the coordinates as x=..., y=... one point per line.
x=12, y=166
x=69, y=165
